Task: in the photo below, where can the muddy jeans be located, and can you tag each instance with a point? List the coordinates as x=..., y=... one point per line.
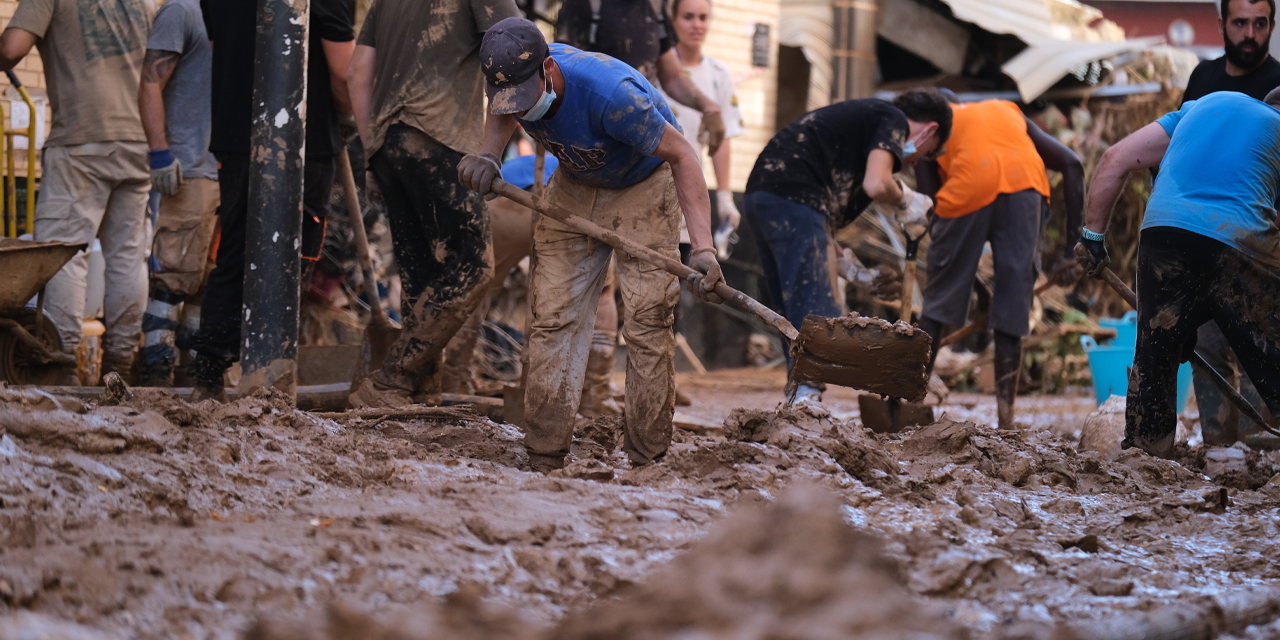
x=97, y=190
x=793, y=241
x=567, y=280
x=1184, y=280
x=440, y=232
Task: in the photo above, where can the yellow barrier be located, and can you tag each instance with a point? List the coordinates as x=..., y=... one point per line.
x=11, y=207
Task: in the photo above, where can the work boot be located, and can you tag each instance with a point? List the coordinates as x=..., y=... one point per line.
x=545, y=464
x=374, y=393
x=159, y=327
x=683, y=399
x=207, y=378
x=455, y=379
x=1008, y=366
x=1161, y=447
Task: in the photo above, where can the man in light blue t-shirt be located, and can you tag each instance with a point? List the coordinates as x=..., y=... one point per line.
x=1209, y=249
x=624, y=165
x=174, y=100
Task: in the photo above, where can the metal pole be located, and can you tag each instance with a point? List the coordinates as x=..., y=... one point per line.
x=273, y=232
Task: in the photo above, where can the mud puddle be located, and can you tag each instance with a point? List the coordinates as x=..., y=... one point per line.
x=162, y=519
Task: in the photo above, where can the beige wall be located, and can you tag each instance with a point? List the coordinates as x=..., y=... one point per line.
x=729, y=41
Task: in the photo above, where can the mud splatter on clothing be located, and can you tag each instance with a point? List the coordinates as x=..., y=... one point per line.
x=609, y=123
x=820, y=159
x=1184, y=280
x=633, y=31
x=440, y=232
x=428, y=67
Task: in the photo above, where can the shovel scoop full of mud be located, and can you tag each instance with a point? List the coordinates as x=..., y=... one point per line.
x=864, y=353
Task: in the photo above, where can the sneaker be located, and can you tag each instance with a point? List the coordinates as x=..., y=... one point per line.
x=372, y=394
x=809, y=400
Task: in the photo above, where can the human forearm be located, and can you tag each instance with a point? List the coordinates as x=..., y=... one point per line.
x=878, y=182
x=720, y=164
x=691, y=186
x=1059, y=157
x=1141, y=149
x=338, y=55
x=151, y=108
x=360, y=87
x=497, y=131
x=680, y=87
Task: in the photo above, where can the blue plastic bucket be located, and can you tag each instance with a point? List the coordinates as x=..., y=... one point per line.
x=1126, y=329
x=1110, y=366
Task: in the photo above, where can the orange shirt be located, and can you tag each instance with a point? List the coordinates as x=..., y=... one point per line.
x=989, y=153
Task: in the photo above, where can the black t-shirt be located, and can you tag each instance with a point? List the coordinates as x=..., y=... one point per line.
x=232, y=26
x=629, y=30
x=1211, y=76
x=330, y=20
x=820, y=159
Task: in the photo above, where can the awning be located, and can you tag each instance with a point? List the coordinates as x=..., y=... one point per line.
x=1061, y=35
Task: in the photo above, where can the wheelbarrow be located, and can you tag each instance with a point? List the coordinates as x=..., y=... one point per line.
x=30, y=348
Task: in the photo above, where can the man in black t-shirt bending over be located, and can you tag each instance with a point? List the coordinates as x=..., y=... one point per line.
x=817, y=175
x=1247, y=68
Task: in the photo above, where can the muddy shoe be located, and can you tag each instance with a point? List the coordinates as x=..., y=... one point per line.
x=544, y=464
x=206, y=378
x=809, y=400
x=372, y=394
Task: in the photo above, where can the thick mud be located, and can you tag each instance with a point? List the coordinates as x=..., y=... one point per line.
x=160, y=519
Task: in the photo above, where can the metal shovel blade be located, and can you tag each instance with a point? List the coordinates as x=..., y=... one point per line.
x=864, y=353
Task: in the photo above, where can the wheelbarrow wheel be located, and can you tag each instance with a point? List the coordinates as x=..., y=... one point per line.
x=18, y=361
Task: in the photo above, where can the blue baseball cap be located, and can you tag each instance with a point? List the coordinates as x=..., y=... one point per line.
x=511, y=56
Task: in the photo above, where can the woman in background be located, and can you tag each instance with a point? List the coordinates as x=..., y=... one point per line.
x=692, y=19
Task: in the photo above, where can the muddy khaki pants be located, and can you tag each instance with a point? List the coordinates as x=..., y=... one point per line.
x=97, y=190
x=567, y=280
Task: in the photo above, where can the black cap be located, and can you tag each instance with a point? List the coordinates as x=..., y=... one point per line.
x=511, y=55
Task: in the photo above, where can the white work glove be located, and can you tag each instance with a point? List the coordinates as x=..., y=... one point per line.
x=913, y=210
x=730, y=218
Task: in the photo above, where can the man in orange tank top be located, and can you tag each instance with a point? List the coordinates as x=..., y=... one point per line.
x=990, y=186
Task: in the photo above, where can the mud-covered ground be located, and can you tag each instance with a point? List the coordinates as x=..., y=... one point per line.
x=158, y=519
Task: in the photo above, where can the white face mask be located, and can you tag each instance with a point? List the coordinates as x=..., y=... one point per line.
x=540, y=108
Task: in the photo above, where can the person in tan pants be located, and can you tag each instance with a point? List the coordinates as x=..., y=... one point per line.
x=624, y=165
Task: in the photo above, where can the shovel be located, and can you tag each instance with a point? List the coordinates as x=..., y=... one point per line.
x=1197, y=361
x=380, y=333
x=863, y=353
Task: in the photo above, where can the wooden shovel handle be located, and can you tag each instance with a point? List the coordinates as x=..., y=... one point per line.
x=379, y=316
x=730, y=295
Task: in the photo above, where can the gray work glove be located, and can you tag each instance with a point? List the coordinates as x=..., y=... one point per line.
x=166, y=172
x=477, y=171
x=703, y=286
x=711, y=133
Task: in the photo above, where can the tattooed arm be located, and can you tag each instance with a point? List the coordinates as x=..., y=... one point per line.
x=157, y=68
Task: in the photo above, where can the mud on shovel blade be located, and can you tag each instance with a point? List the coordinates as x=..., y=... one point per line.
x=381, y=332
x=864, y=353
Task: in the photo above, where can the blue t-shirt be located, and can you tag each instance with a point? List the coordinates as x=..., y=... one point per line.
x=1220, y=177
x=519, y=170
x=609, y=123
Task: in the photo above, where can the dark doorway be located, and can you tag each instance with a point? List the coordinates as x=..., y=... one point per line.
x=793, y=86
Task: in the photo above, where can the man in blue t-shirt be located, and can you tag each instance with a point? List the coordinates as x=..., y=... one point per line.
x=624, y=165
x=1210, y=248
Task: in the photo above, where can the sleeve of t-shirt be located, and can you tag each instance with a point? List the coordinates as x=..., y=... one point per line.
x=333, y=19
x=169, y=30
x=631, y=117
x=890, y=132
x=727, y=97
x=33, y=16
x=1169, y=121
x=488, y=12
x=367, y=29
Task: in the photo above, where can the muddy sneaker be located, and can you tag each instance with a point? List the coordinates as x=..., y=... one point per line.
x=809, y=400
x=374, y=395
